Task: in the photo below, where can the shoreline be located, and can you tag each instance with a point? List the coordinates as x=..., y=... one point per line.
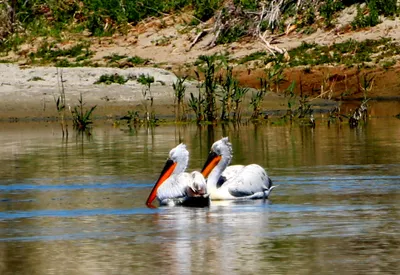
x=21, y=98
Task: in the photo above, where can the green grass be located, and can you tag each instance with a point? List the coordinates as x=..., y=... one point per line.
x=137, y=60
x=114, y=58
x=111, y=78
x=36, y=78
x=349, y=53
x=49, y=53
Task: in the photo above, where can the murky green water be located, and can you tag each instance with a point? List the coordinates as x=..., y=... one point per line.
x=77, y=207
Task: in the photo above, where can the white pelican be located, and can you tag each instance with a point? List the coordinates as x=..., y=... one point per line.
x=236, y=182
x=174, y=187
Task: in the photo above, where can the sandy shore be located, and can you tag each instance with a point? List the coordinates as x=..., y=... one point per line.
x=22, y=97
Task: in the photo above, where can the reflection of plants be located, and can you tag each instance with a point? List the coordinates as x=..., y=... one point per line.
x=179, y=90
x=146, y=81
x=82, y=118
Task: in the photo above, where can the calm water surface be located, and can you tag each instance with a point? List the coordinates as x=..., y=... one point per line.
x=77, y=206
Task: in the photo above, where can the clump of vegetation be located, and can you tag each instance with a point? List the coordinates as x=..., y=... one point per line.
x=111, y=78
x=36, y=78
x=114, y=58
x=237, y=97
x=366, y=17
x=209, y=66
x=227, y=88
x=82, y=119
x=50, y=53
x=328, y=10
x=137, y=60
x=349, y=53
x=258, y=97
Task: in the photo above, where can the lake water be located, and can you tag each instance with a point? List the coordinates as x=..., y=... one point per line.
x=77, y=206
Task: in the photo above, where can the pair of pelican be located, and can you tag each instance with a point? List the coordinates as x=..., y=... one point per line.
x=224, y=182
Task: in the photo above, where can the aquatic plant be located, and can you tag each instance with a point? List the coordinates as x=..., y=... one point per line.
x=209, y=65
x=60, y=102
x=81, y=118
x=227, y=87
x=258, y=97
x=196, y=104
x=132, y=118
x=291, y=100
x=237, y=98
x=146, y=81
x=359, y=113
x=179, y=92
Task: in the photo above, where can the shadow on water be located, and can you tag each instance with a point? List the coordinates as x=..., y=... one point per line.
x=77, y=206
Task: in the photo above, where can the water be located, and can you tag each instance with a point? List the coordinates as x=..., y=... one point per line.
x=77, y=207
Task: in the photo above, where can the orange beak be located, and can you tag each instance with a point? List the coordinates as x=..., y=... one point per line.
x=165, y=174
x=212, y=161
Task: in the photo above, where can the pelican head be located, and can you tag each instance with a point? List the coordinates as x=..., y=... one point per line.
x=176, y=163
x=197, y=186
x=220, y=154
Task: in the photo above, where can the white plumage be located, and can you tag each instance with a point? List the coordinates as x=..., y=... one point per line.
x=236, y=182
x=174, y=185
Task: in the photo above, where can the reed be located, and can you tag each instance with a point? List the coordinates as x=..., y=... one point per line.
x=82, y=119
x=60, y=102
x=179, y=92
x=146, y=81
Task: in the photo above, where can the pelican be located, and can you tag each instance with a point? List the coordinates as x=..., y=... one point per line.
x=236, y=182
x=175, y=187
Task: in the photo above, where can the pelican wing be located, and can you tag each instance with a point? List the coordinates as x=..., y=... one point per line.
x=174, y=187
x=252, y=179
x=229, y=174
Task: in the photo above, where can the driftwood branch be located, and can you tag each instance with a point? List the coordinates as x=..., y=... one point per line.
x=267, y=44
x=198, y=37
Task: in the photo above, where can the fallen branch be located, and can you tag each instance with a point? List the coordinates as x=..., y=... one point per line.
x=267, y=44
x=217, y=30
x=197, y=38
